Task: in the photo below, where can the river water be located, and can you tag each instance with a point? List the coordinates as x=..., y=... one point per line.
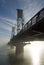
x=33, y=54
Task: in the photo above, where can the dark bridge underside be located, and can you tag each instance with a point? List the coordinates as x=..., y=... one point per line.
x=36, y=32
x=39, y=26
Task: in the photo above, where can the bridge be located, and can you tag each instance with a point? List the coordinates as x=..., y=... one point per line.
x=32, y=30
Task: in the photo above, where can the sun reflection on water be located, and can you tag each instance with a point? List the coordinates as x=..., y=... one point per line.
x=35, y=48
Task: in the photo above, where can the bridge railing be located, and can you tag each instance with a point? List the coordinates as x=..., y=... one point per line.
x=34, y=19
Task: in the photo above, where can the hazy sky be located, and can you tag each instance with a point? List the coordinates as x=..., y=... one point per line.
x=8, y=14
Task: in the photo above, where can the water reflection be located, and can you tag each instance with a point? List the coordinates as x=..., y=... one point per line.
x=33, y=55
x=24, y=60
x=36, y=48
x=42, y=57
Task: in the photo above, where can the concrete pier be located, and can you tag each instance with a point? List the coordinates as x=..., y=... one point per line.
x=19, y=51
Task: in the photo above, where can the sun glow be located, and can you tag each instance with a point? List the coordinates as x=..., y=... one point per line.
x=35, y=48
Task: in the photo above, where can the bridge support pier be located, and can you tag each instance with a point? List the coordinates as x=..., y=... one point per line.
x=19, y=51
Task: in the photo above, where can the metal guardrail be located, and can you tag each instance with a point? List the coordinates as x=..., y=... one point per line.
x=34, y=19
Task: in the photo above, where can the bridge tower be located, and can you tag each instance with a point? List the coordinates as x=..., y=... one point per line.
x=13, y=32
x=20, y=24
x=20, y=20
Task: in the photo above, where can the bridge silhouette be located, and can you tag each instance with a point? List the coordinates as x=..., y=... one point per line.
x=32, y=30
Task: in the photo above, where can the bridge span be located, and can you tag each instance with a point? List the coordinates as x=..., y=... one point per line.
x=32, y=30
